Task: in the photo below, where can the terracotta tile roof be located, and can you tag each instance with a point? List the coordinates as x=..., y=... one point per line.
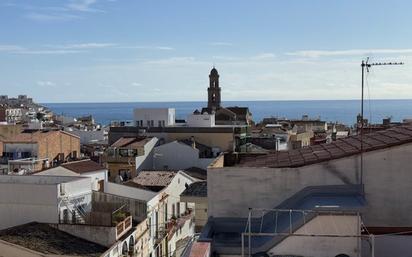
x=131, y=142
x=83, y=166
x=340, y=148
x=154, y=178
x=200, y=249
x=197, y=189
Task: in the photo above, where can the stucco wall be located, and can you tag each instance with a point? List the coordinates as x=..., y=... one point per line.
x=166, y=115
x=336, y=225
x=388, y=245
x=127, y=191
x=95, y=176
x=200, y=206
x=86, y=136
x=105, y=236
x=387, y=177
x=145, y=161
x=223, y=141
x=23, y=203
x=178, y=156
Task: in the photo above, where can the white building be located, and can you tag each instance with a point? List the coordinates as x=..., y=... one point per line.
x=84, y=168
x=154, y=117
x=14, y=115
x=201, y=120
x=169, y=220
x=46, y=199
x=88, y=136
x=178, y=155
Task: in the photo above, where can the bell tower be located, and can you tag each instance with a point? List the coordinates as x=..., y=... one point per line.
x=213, y=91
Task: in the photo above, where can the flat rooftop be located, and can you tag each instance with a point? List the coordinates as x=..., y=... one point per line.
x=45, y=239
x=340, y=148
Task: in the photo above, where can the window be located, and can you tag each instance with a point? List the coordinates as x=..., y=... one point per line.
x=65, y=216
x=178, y=209
x=148, y=123
x=152, y=123
x=159, y=123
x=123, y=152
x=149, y=225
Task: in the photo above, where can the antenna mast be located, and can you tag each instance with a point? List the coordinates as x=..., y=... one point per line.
x=366, y=65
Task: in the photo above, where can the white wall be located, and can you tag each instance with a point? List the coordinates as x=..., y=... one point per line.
x=95, y=176
x=388, y=245
x=105, y=236
x=25, y=199
x=201, y=120
x=178, y=156
x=164, y=115
x=156, y=206
x=146, y=161
x=88, y=136
x=127, y=191
x=24, y=203
x=387, y=178
x=334, y=225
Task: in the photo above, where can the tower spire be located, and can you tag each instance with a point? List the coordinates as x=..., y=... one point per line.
x=213, y=91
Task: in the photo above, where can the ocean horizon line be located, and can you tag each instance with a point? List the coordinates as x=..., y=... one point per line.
x=228, y=101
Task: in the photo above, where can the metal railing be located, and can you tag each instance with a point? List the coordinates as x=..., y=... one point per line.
x=286, y=222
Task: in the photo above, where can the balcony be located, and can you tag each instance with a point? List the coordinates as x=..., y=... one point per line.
x=122, y=155
x=174, y=224
x=123, y=226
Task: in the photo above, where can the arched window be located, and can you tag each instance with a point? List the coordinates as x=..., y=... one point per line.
x=131, y=244
x=124, y=248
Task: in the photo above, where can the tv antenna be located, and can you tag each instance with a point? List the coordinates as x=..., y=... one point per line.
x=366, y=66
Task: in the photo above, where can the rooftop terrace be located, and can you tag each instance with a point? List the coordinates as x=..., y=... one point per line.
x=45, y=239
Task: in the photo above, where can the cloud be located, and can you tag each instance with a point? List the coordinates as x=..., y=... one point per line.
x=51, y=17
x=166, y=48
x=263, y=57
x=10, y=48
x=83, y=5
x=220, y=44
x=136, y=84
x=49, y=52
x=16, y=49
x=46, y=84
x=173, y=61
x=71, y=48
x=84, y=46
x=349, y=52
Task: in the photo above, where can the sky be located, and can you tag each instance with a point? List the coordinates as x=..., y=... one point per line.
x=152, y=50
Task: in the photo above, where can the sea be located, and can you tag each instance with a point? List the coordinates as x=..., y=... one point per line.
x=343, y=111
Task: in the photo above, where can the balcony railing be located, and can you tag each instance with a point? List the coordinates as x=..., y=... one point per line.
x=123, y=226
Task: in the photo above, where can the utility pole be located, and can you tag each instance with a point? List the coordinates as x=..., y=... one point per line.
x=366, y=65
